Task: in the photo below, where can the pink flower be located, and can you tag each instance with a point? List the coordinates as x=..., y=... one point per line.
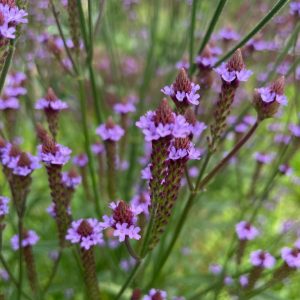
x=291, y=257
x=246, y=231
x=113, y=133
x=262, y=259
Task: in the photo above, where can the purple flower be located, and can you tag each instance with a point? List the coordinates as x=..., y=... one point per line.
x=4, y=206
x=262, y=259
x=80, y=160
x=124, y=108
x=207, y=62
x=228, y=34
x=264, y=158
x=141, y=203
x=146, y=173
x=295, y=130
x=50, y=102
x=51, y=210
x=9, y=103
x=182, y=64
x=197, y=129
x=4, y=275
x=26, y=164
x=30, y=238
x=229, y=75
x=123, y=221
x=291, y=257
x=244, y=280
x=246, y=231
x=10, y=155
x=110, y=131
x=228, y=280
x=59, y=156
x=215, y=269
x=71, y=179
x=268, y=95
x=97, y=148
x=295, y=8
x=156, y=294
x=85, y=232
x=184, y=151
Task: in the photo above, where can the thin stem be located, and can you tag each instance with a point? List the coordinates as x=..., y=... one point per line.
x=99, y=18
x=7, y=63
x=210, y=30
x=82, y=26
x=52, y=274
x=131, y=250
x=279, y=5
x=192, y=30
x=188, y=179
x=20, y=278
x=11, y=276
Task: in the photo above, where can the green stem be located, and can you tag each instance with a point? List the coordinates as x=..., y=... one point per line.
x=192, y=30
x=279, y=5
x=20, y=279
x=7, y=64
x=210, y=30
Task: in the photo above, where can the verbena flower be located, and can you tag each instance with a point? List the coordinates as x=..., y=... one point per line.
x=54, y=154
x=155, y=294
x=9, y=102
x=228, y=34
x=295, y=130
x=51, y=210
x=146, y=173
x=50, y=102
x=295, y=8
x=264, y=158
x=178, y=150
x=97, y=148
x=110, y=131
x=30, y=238
x=183, y=90
x=291, y=256
x=262, y=259
x=234, y=70
x=141, y=202
x=10, y=155
x=246, y=231
x=26, y=164
x=4, y=208
x=80, y=160
x=123, y=221
x=124, y=108
x=215, y=269
x=85, y=232
x=244, y=280
x=71, y=179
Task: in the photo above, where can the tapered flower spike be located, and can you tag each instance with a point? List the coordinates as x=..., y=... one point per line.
x=267, y=100
x=54, y=156
x=111, y=133
x=231, y=74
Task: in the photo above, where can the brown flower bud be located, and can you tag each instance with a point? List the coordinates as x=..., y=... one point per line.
x=164, y=113
x=182, y=82
x=236, y=62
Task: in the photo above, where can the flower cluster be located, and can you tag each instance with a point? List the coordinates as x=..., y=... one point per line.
x=110, y=131
x=71, y=179
x=156, y=294
x=262, y=259
x=246, y=231
x=123, y=220
x=85, y=232
x=183, y=90
x=4, y=206
x=50, y=102
x=29, y=238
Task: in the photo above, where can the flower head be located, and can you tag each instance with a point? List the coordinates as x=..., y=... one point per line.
x=291, y=257
x=29, y=238
x=10, y=155
x=141, y=202
x=244, y=280
x=295, y=8
x=228, y=34
x=26, y=164
x=267, y=100
x=110, y=131
x=50, y=102
x=234, y=70
x=264, y=158
x=183, y=91
x=51, y=210
x=4, y=206
x=262, y=259
x=80, y=160
x=123, y=221
x=182, y=148
x=97, y=148
x=246, y=231
x=155, y=294
x=124, y=108
x=71, y=179
x=85, y=232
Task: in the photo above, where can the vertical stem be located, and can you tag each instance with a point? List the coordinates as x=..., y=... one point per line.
x=20, y=278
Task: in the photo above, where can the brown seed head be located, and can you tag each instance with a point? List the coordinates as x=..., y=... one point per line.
x=51, y=96
x=10, y=3
x=206, y=52
x=73, y=173
x=190, y=116
x=182, y=82
x=122, y=213
x=110, y=123
x=136, y=294
x=164, y=113
x=182, y=143
x=236, y=62
x=41, y=132
x=14, y=151
x=2, y=143
x=85, y=229
x=157, y=296
x=24, y=160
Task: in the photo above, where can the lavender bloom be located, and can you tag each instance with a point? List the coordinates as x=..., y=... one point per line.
x=26, y=164
x=10, y=155
x=29, y=239
x=228, y=34
x=182, y=64
x=142, y=202
x=124, y=108
x=86, y=233
x=71, y=179
x=262, y=259
x=246, y=231
x=9, y=103
x=291, y=257
x=110, y=131
x=264, y=158
x=197, y=129
x=146, y=173
x=228, y=280
x=123, y=221
x=156, y=294
x=229, y=74
x=80, y=160
x=268, y=95
x=244, y=280
x=127, y=264
x=206, y=62
x=50, y=102
x=51, y=210
x=10, y=17
x=97, y=148
x=190, y=152
x=4, y=206
x=215, y=269
x=4, y=275
x=295, y=130
x=60, y=155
